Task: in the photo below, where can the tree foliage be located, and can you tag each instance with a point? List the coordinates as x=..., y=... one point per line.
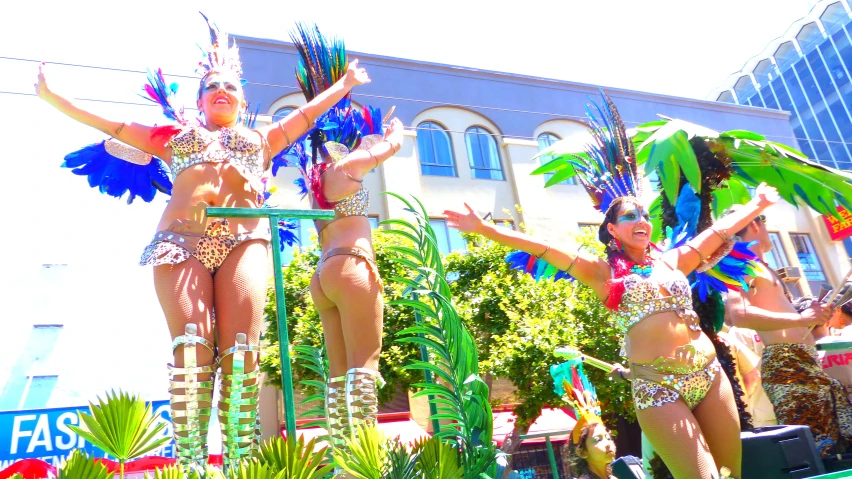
x=518, y=323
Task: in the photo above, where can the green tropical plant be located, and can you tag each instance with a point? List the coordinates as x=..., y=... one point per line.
x=402, y=463
x=460, y=394
x=438, y=460
x=293, y=458
x=366, y=453
x=80, y=466
x=313, y=359
x=123, y=426
x=254, y=469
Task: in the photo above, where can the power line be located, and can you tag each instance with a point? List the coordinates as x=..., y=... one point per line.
x=384, y=97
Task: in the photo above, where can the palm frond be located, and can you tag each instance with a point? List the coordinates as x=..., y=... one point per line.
x=292, y=458
x=365, y=454
x=122, y=425
x=460, y=395
x=80, y=466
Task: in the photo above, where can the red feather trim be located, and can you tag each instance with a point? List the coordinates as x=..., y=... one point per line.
x=316, y=186
x=616, y=291
x=160, y=135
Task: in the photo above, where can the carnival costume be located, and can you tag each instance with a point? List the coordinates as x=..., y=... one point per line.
x=351, y=399
x=117, y=169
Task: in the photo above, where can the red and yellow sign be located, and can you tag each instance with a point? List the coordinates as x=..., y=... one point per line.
x=837, y=229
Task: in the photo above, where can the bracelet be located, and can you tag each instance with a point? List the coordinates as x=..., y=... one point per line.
x=724, y=237
x=621, y=374
x=120, y=127
x=700, y=255
x=545, y=252
x=394, y=149
x=286, y=136
x=374, y=158
x=577, y=255
x=308, y=121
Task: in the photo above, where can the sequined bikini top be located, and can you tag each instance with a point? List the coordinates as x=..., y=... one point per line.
x=642, y=297
x=189, y=148
x=355, y=204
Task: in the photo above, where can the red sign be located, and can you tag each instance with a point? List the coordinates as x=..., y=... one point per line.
x=837, y=229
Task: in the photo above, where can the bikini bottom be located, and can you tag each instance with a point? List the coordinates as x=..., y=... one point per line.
x=210, y=248
x=666, y=380
x=358, y=253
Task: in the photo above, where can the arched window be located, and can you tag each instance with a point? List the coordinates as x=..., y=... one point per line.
x=281, y=113
x=435, y=150
x=482, y=154
x=545, y=140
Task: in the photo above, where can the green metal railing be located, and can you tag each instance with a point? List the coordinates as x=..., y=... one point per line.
x=551, y=456
x=275, y=215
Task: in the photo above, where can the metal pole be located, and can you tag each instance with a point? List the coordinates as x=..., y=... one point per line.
x=274, y=216
x=283, y=334
x=552, y=457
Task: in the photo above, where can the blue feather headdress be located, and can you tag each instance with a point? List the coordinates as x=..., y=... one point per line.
x=608, y=168
x=342, y=129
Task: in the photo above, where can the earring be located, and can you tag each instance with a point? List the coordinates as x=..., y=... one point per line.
x=614, y=244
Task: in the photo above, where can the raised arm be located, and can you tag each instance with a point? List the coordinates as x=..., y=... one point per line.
x=282, y=133
x=744, y=314
x=691, y=255
x=343, y=178
x=133, y=134
x=589, y=270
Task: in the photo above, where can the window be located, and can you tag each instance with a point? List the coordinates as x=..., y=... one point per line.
x=435, y=150
x=777, y=258
x=545, y=140
x=808, y=259
x=33, y=383
x=282, y=113
x=449, y=239
x=482, y=153
x=374, y=222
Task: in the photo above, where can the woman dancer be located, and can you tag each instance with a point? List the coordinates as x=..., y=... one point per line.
x=683, y=405
x=201, y=266
x=346, y=288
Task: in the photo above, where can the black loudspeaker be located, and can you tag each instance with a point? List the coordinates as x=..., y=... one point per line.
x=628, y=467
x=780, y=452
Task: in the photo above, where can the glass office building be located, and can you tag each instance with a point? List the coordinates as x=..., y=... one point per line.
x=806, y=72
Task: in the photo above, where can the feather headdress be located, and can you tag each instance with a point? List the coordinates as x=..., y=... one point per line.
x=342, y=129
x=575, y=388
x=607, y=168
x=219, y=56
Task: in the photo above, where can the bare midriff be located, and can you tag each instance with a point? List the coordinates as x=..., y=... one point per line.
x=217, y=184
x=661, y=335
x=347, y=232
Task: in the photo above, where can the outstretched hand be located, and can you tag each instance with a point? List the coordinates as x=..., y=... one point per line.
x=766, y=195
x=394, y=132
x=41, y=85
x=468, y=222
x=355, y=76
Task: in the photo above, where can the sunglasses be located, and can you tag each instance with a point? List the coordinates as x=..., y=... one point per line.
x=761, y=218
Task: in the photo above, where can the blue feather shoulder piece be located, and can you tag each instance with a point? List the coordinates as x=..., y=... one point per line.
x=535, y=267
x=116, y=169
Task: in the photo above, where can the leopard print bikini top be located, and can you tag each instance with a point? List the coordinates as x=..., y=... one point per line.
x=246, y=155
x=642, y=297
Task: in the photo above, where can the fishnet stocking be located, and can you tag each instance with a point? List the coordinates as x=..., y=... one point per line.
x=695, y=444
x=240, y=288
x=185, y=292
x=349, y=301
